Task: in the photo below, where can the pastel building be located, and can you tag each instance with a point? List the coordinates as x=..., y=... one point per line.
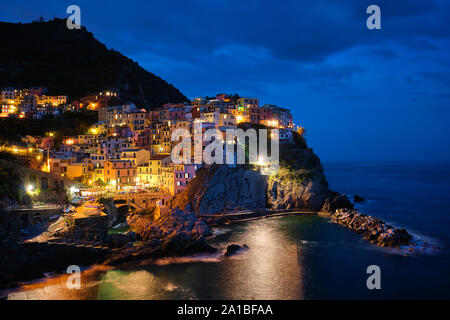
x=183, y=173
x=120, y=174
x=137, y=156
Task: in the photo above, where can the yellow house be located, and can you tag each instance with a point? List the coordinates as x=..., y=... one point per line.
x=168, y=179
x=144, y=176
x=150, y=174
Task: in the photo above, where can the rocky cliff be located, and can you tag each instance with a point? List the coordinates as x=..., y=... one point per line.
x=174, y=233
x=221, y=188
x=74, y=63
x=299, y=183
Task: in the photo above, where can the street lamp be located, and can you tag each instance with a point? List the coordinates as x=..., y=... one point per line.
x=29, y=188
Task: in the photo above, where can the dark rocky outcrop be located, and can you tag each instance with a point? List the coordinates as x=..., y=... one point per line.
x=221, y=188
x=115, y=216
x=233, y=249
x=357, y=198
x=299, y=183
x=74, y=63
x=175, y=233
x=336, y=201
x=170, y=223
x=373, y=229
x=305, y=189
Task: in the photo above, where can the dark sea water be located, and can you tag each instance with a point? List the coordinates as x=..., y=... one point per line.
x=302, y=257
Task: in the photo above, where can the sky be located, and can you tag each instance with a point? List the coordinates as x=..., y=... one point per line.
x=361, y=95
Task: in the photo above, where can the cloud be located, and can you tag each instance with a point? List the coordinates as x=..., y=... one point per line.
x=317, y=54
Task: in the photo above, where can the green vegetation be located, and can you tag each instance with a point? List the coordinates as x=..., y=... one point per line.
x=11, y=186
x=100, y=183
x=298, y=176
x=119, y=230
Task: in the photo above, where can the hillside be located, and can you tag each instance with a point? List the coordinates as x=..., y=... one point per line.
x=74, y=63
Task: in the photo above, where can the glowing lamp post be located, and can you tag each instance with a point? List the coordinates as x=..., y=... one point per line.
x=30, y=188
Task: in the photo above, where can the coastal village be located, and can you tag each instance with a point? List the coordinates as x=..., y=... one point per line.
x=113, y=194
x=128, y=149
x=116, y=184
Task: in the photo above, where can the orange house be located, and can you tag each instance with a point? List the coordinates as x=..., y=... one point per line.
x=120, y=174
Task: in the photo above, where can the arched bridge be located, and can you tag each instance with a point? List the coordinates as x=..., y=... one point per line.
x=140, y=201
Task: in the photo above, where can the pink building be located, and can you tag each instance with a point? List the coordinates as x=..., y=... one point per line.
x=183, y=173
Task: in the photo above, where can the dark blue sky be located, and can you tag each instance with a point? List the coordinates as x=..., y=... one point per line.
x=361, y=94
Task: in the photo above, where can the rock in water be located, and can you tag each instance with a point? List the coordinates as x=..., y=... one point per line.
x=233, y=249
x=178, y=230
x=373, y=229
x=357, y=198
x=335, y=202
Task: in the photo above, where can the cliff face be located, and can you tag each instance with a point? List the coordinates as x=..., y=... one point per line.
x=299, y=183
x=74, y=63
x=221, y=188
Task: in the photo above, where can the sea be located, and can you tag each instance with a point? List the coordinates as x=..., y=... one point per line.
x=300, y=257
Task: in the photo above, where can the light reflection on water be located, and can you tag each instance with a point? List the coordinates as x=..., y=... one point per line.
x=269, y=270
x=301, y=257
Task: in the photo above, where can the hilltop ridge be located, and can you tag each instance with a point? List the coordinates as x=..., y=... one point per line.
x=75, y=63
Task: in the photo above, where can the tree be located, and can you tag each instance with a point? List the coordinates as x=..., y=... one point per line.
x=100, y=183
